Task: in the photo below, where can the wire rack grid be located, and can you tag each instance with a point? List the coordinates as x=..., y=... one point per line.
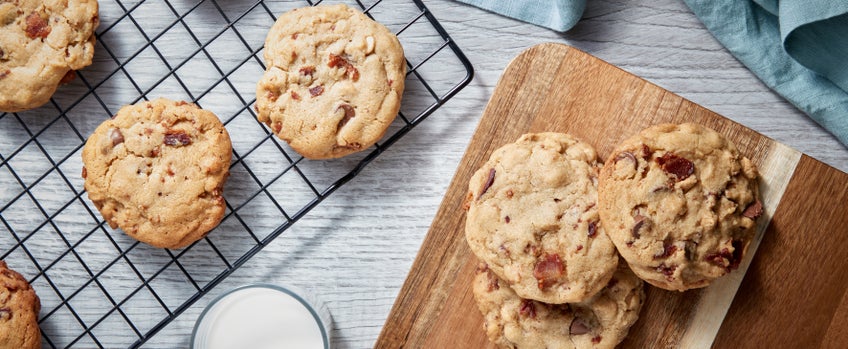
x=95, y=282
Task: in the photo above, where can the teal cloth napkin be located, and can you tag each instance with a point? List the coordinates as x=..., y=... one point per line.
x=559, y=15
x=799, y=48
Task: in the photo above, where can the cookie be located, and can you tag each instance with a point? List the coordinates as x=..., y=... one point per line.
x=157, y=170
x=42, y=42
x=680, y=203
x=533, y=218
x=19, y=307
x=333, y=83
x=601, y=321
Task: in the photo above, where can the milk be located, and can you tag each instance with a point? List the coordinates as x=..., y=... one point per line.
x=260, y=317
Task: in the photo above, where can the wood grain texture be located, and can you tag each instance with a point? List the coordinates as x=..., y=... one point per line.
x=556, y=88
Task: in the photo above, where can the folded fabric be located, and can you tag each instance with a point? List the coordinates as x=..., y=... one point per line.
x=559, y=15
x=798, y=48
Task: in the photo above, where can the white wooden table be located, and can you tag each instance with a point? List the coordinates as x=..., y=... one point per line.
x=355, y=249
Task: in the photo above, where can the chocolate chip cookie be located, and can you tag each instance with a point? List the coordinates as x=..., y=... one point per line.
x=533, y=218
x=602, y=321
x=19, y=307
x=42, y=42
x=157, y=170
x=333, y=83
x=680, y=203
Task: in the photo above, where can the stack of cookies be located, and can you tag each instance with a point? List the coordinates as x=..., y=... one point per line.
x=548, y=222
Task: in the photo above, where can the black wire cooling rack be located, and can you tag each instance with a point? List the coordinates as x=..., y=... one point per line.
x=95, y=282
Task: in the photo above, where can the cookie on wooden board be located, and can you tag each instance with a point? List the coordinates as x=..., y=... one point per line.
x=157, y=170
x=533, y=218
x=680, y=203
x=333, y=83
x=602, y=321
x=42, y=42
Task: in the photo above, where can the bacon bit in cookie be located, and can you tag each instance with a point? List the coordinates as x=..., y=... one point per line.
x=509, y=193
x=596, y=339
x=527, y=309
x=177, y=138
x=181, y=103
x=84, y=173
x=593, y=229
x=579, y=247
x=668, y=250
x=68, y=77
x=639, y=222
x=295, y=96
x=170, y=171
x=350, y=70
x=37, y=27
x=725, y=258
x=154, y=152
x=668, y=271
x=630, y=243
x=755, y=210
x=278, y=126
x=349, y=113
x=316, y=91
x=294, y=36
x=646, y=152
x=676, y=165
x=5, y=314
x=307, y=70
x=548, y=270
x=506, y=219
x=4, y=74
x=390, y=81
x=482, y=267
x=116, y=136
x=272, y=96
x=488, y=184
x=578, y=327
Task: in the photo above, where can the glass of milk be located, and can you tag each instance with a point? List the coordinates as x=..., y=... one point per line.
x=261, y=316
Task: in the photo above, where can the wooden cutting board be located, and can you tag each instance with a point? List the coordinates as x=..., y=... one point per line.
x=792, y=294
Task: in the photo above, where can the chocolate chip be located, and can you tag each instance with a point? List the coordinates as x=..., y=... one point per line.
x=755, y=210
x=578, y=327
x=488, y=184
x=629, y=156
x=116, y=136
x=349, y=113
x=639, y=222
x=316, y=90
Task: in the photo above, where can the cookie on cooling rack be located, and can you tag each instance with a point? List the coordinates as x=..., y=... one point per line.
x=19, y=307
x=533, y=218
x=601, y=321
x=157, y=170
x=334, y=80
x=41, y=44
x=680, y=203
